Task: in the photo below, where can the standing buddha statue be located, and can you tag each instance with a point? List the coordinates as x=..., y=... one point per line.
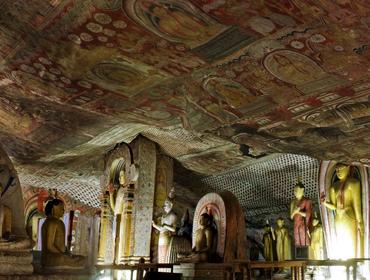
x=316, y=251
x=268, y=242
x=301, y=213
x=345, y=200
x=121, y=202
x=282, y=237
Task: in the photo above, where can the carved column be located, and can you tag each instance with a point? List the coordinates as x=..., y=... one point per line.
x=144, y=198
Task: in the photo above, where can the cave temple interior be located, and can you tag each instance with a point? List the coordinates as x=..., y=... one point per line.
x=184, y=139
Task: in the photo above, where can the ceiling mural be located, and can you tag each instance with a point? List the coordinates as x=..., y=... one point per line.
x=261, y=76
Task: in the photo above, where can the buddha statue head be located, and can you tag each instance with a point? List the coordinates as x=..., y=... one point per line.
x=205, y=220
x=342, y=171
x=280, y=222
x=299, y=190
x=267, y=227
x=122, y=177
x=54, y=208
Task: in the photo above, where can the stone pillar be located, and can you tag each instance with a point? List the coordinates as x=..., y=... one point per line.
x=144, y=198
x=93, y=242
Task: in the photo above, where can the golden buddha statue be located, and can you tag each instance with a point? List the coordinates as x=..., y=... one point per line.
x=121, y=202
x=345, y=200
x=116, y=196
x=316, y=251
x=166, y=229
x=104, y=224
x=204, y=239
x=268, y=242
x=54, y=252
x=5, y=220
x=283, y=247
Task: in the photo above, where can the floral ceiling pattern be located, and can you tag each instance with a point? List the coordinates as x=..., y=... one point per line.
x=261, y=76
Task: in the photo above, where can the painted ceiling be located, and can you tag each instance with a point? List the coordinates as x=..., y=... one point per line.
x=215, y=83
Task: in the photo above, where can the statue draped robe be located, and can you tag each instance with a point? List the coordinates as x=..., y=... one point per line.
x=302, y=224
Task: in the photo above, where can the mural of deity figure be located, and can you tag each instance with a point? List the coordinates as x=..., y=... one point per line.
x=293, y=67
x=176, y=21
x=229, y=92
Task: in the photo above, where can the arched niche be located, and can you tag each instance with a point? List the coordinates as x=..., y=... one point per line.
x=228, y=218
x=327, y=178
x=111, y=232
x=116, y=160
x=12, y=194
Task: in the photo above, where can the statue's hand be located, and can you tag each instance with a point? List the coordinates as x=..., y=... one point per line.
x=322, y=197
x=296, y=211
x=111, y=188
x=360, y=227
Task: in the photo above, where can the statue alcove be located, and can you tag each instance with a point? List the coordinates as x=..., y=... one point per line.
x=328, y=178
x=228, y=218
x=15, y=255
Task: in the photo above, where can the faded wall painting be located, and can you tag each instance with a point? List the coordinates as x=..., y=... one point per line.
x=176, y=21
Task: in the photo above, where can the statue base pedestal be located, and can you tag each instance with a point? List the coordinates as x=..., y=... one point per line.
x=201, y=271
x=16, y=262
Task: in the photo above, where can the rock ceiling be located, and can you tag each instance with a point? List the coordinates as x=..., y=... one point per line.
x=214, y=82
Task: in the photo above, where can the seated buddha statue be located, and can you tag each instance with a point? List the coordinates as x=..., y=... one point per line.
x=54, y=252
x=8, y=240
x=204, y=238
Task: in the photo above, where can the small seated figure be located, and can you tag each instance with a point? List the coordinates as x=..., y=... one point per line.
x=54, y=252
x=283, y=248
x=204, y=238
